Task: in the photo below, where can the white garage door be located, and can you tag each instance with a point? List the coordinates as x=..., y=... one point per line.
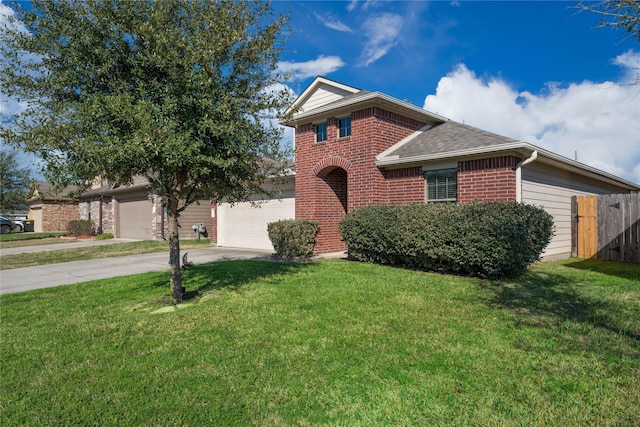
x=134, y=219
x=245, y=226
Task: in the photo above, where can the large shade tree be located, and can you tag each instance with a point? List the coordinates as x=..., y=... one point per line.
x=14, y=182
x=182, y=92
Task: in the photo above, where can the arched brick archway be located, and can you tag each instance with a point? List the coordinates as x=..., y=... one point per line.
x=327, y=164
x=331, y=201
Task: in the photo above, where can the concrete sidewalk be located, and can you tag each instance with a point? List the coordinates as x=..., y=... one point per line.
x=46, y=276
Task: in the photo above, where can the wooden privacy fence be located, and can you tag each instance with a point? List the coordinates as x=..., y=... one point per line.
x=606, y=227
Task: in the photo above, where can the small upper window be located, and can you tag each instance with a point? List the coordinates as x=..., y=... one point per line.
x=344, y=125
x=442, y=185
x=321, y=132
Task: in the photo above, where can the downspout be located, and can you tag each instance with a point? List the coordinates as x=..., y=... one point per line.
x=518, y=169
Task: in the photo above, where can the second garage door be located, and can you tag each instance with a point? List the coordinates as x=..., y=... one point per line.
x=245, y=226
x=135, y=219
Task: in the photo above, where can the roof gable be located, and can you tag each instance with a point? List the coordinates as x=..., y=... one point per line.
x=321, y=92
x=42, y=190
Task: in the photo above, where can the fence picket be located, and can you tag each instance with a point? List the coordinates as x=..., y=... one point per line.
x=608, y=227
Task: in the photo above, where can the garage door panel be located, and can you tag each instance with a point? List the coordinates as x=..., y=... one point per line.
x=244, y=225
x=135, y=219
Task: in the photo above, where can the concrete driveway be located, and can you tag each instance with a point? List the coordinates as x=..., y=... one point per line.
x=46, y=276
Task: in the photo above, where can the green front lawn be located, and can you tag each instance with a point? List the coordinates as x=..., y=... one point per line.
x=328, y=343
x=14, y=238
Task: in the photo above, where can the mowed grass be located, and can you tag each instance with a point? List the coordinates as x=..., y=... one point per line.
x=328, y=343
x=93, y=252
x=16, y=239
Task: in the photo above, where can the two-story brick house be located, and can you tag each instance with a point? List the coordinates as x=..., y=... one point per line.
x=356, y=148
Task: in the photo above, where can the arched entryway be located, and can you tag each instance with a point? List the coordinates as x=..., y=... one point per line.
x=331, y=207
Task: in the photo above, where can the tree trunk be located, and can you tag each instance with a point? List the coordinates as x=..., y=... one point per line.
x=174, y=253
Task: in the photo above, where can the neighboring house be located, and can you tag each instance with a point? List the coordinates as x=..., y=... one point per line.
x=356, y=148
x=134, y=213
x=51, y=209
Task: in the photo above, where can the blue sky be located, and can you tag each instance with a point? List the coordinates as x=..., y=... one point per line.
x=403, y=48
x=535, y=71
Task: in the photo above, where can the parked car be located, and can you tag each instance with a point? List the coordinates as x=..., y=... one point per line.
x=18, y=225
x=6, y=225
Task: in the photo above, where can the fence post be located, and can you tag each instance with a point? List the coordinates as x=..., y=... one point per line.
x=574, y=226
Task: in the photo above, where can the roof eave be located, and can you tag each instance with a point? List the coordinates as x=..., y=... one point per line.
x=583, y=169
x=522, y=148
x=391, y=161
x=371, y=98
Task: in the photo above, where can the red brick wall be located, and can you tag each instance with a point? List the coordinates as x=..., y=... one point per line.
x=405, y=186
x=338, y=175
x=373, y=130
x=485, y=180
x=331, y=207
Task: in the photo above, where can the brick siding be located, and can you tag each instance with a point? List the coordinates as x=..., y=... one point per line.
x=157, y=223
x=321, y=192
x=405, y=186
x=487, y=180
x=336, y=176
x=90, y=209
x=56, y=216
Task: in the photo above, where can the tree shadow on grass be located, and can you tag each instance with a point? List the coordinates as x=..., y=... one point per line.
x=234, y=274
x=600, y=324
x=611, y=268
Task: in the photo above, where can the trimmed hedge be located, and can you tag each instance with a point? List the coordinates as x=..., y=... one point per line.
x=293, y=238
x=80, y=227
x=492, y=239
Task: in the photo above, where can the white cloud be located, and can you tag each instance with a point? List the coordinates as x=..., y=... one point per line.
x=6, y=15
x=630, y=62
x=9, y=106
x=599, y=121
x=382, y=32
x=320, y=66
x=333, y=23
x=365, y=4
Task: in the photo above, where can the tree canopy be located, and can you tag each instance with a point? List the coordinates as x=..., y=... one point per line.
x=623, y=14
x=14, y=182
x=182, y=92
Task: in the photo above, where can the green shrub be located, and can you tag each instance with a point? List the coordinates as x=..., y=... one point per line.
x=492, y=239
x=104, y=236
x=80, y=227
x=293, y=238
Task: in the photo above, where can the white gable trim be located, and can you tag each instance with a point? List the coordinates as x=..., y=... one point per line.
x=313, y=88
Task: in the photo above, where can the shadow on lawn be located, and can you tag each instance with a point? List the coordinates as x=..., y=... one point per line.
x=619, y=269
x=232, y=275
x=547, y=300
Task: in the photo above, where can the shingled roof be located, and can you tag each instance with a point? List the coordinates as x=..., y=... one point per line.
x=42, y=190
x=444, y=137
